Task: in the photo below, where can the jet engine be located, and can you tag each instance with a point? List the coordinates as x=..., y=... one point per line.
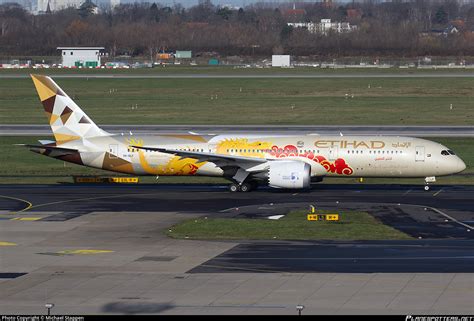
x=289, y=174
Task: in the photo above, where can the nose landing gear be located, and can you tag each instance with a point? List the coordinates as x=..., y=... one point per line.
x=430, y=179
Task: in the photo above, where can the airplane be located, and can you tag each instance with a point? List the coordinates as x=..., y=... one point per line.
x=247, y=161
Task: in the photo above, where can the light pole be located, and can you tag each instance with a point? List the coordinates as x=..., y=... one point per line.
x=49, y=306
x=253, y=49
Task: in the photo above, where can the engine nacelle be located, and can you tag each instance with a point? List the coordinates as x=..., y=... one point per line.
x=289, y=174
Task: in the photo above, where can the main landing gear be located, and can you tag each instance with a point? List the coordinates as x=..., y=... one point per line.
x=244, y=187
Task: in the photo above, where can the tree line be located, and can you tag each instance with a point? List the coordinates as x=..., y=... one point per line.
x=396, y=28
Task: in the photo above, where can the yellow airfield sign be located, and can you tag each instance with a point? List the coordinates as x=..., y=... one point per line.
x=323, y=217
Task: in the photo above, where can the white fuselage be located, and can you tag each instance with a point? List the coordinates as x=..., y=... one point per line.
x=341, y=156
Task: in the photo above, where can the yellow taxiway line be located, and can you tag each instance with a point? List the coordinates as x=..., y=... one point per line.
x=83, y=252
x=81, y=199
x=7, y=244
x=30, y=205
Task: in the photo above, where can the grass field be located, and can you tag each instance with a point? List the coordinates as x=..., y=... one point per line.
x=229, y=69
x=294, y=226
x=19, y=165
x=376, y=101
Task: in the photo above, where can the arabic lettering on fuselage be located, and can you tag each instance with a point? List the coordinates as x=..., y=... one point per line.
x=401, y=145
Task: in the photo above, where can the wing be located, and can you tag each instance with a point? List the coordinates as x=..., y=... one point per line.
x=220, y=160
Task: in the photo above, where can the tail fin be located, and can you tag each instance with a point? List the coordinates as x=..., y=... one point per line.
x=67, y=120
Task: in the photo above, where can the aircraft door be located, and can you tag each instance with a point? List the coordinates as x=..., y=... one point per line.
x=113, y=151
x=333, y=153
x=420, y=153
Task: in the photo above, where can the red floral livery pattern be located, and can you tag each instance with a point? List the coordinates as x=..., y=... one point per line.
x=339, y=166
x=193, y=169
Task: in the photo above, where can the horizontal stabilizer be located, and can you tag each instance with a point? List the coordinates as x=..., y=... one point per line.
x=49, y=149
x=46, y=142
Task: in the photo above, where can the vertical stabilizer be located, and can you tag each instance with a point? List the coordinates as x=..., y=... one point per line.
x=67, y=120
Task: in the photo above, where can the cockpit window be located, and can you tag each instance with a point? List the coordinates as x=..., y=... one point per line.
x=451, y=152
x=444, y=153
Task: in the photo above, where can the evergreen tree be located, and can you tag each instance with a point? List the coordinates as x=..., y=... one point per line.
x=441, y=16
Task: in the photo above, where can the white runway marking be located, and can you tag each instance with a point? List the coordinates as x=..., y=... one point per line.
x=275, y=217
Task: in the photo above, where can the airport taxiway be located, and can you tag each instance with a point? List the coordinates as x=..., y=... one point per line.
x=200, y=198
x=101, y=249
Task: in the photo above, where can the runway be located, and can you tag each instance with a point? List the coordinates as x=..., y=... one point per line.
x=102, y=249
x=417, y=131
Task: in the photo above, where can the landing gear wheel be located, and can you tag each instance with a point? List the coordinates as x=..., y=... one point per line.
x=427, y=188
x=234, y=187
x=245, y=187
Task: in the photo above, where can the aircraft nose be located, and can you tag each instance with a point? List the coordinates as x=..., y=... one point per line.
x=460, y=165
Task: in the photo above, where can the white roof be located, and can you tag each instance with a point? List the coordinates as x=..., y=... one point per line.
x=80, y=48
